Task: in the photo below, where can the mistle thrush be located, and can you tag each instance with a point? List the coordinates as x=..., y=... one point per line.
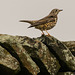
x=45, y=23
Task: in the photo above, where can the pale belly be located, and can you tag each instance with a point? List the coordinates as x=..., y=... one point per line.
x=46, y=26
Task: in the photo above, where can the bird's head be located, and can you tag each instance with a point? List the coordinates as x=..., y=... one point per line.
x=55, y=11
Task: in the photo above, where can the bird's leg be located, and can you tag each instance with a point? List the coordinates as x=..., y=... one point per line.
x=42, y=33
x=47, y=33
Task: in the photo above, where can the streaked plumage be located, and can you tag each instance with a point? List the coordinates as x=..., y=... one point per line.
x=45, y=23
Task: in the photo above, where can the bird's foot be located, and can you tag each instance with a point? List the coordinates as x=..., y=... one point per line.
x=48, y=34
x=43, y=33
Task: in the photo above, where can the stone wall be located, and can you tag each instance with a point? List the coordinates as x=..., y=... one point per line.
x=45, y=55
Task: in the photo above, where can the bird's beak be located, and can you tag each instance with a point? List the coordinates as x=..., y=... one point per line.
x=61, y=10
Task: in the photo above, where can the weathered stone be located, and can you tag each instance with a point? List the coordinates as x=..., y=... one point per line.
x=70, y=45
x=41, y=55
x=46, y=53
x=23, y=46
x=11, y=43
x=66, y=73
x=63, y=54
x=8, y=64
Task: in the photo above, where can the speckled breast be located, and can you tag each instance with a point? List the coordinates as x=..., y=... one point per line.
x=46, y=26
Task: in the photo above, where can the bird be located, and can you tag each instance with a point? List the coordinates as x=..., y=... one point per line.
x=45, y=23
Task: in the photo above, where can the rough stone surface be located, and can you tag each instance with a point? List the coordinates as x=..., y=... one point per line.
x=71, y=46
x=40, y=53
x=44, y=55
x=66, y=73
x=11, y=43
x=60, y=50
x=8, y=64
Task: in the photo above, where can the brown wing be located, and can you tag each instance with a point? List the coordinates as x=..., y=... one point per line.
x=42, y=22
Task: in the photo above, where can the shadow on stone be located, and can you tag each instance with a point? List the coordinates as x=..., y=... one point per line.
x=43, y=70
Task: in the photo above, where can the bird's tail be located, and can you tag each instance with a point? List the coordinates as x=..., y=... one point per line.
x=26, y=21
x=31, y=22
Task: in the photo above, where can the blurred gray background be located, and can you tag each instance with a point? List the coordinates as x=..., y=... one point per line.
x=11, y=11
